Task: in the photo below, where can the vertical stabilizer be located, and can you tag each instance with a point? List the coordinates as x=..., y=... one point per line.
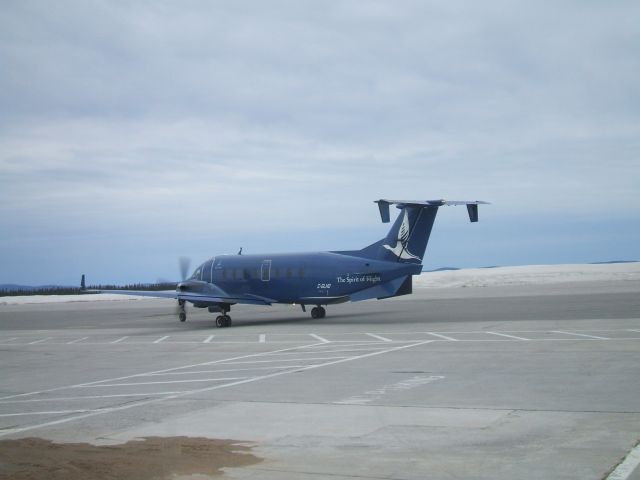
x=407, y=240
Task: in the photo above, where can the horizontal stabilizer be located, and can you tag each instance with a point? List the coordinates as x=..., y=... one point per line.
x=472, y=206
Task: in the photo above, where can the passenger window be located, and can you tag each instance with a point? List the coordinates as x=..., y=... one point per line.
x=224, y=273
x=289, y=273
x=277, y=273
x=245, y=274
x=234, y=275
x=256, y=273
x=301, y=272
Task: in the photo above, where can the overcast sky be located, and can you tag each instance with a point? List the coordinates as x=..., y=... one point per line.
x=132, y=133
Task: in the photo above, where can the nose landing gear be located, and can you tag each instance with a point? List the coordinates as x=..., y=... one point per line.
x=318, y=312
x=182, y=314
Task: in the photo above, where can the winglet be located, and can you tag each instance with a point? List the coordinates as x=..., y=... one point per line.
x=383, y=205
x=472, y=209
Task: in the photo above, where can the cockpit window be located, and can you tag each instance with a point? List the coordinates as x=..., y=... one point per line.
x=196, y=274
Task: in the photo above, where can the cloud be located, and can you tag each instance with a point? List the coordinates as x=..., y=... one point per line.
x=286, y=116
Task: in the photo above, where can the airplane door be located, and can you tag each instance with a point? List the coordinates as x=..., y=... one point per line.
x=266, y=270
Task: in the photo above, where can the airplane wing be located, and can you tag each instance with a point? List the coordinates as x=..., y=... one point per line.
x=193, y=296
x=141, y=293
x=231, y=299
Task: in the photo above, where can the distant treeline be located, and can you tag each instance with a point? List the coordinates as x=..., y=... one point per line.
x=147, y=287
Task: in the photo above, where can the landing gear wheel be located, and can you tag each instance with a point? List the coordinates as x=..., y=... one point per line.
x=322, y=311
x=317, y=312
x=182, y=313
x=223, y=321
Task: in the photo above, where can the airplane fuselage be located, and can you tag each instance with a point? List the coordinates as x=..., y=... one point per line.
x=300, y=278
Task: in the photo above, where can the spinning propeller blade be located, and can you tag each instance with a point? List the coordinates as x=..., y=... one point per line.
x=184, y=267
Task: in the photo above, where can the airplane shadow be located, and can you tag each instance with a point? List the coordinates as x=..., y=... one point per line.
x=359, y=318
x=306, y=320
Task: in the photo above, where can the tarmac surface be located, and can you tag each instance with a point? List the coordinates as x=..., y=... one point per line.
x=485, y=383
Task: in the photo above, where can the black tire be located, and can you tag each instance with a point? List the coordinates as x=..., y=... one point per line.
x=227, y=321
x=315, y=312
x=322, y=311
x=220, y=321
x=182, y=316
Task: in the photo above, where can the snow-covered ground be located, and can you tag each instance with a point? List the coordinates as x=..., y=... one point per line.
x=471, y=277
x=529, y=275
x=88, y=297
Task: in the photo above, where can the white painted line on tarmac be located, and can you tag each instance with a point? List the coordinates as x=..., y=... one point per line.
x=262, y=338
x=208, y=339
x=371, y=344
x=213, y=362
x=379, y=337
x=157, y=383
x=363, y=342
x=580, y=335
x=162, y=339
x=316, y=352
x=8, y=340
x=281, y=360
x=120, y=339
x=373, y=395
x=40, y=341
x=91, y=397
x=508, y=336
x=12, y=431
x=225, y=370
x=319, y=338
x=55, y=412
x=632, y=330
x=444, y=337
x=628, y=465
x=77, y=340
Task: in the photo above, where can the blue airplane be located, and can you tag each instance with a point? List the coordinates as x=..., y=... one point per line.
x=384, y=269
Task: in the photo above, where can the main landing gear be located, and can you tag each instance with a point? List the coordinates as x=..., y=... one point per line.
x=318, y=312
x=223, y=321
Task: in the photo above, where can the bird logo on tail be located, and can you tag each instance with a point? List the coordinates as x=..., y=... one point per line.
x=400, y=249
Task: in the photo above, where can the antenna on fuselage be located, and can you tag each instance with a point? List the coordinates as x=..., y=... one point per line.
x=240, y=251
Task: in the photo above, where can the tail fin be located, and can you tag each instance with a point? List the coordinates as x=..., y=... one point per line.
x=407, y=240
x=82, y=284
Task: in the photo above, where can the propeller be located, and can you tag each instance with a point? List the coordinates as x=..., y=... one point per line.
x=184, y=262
